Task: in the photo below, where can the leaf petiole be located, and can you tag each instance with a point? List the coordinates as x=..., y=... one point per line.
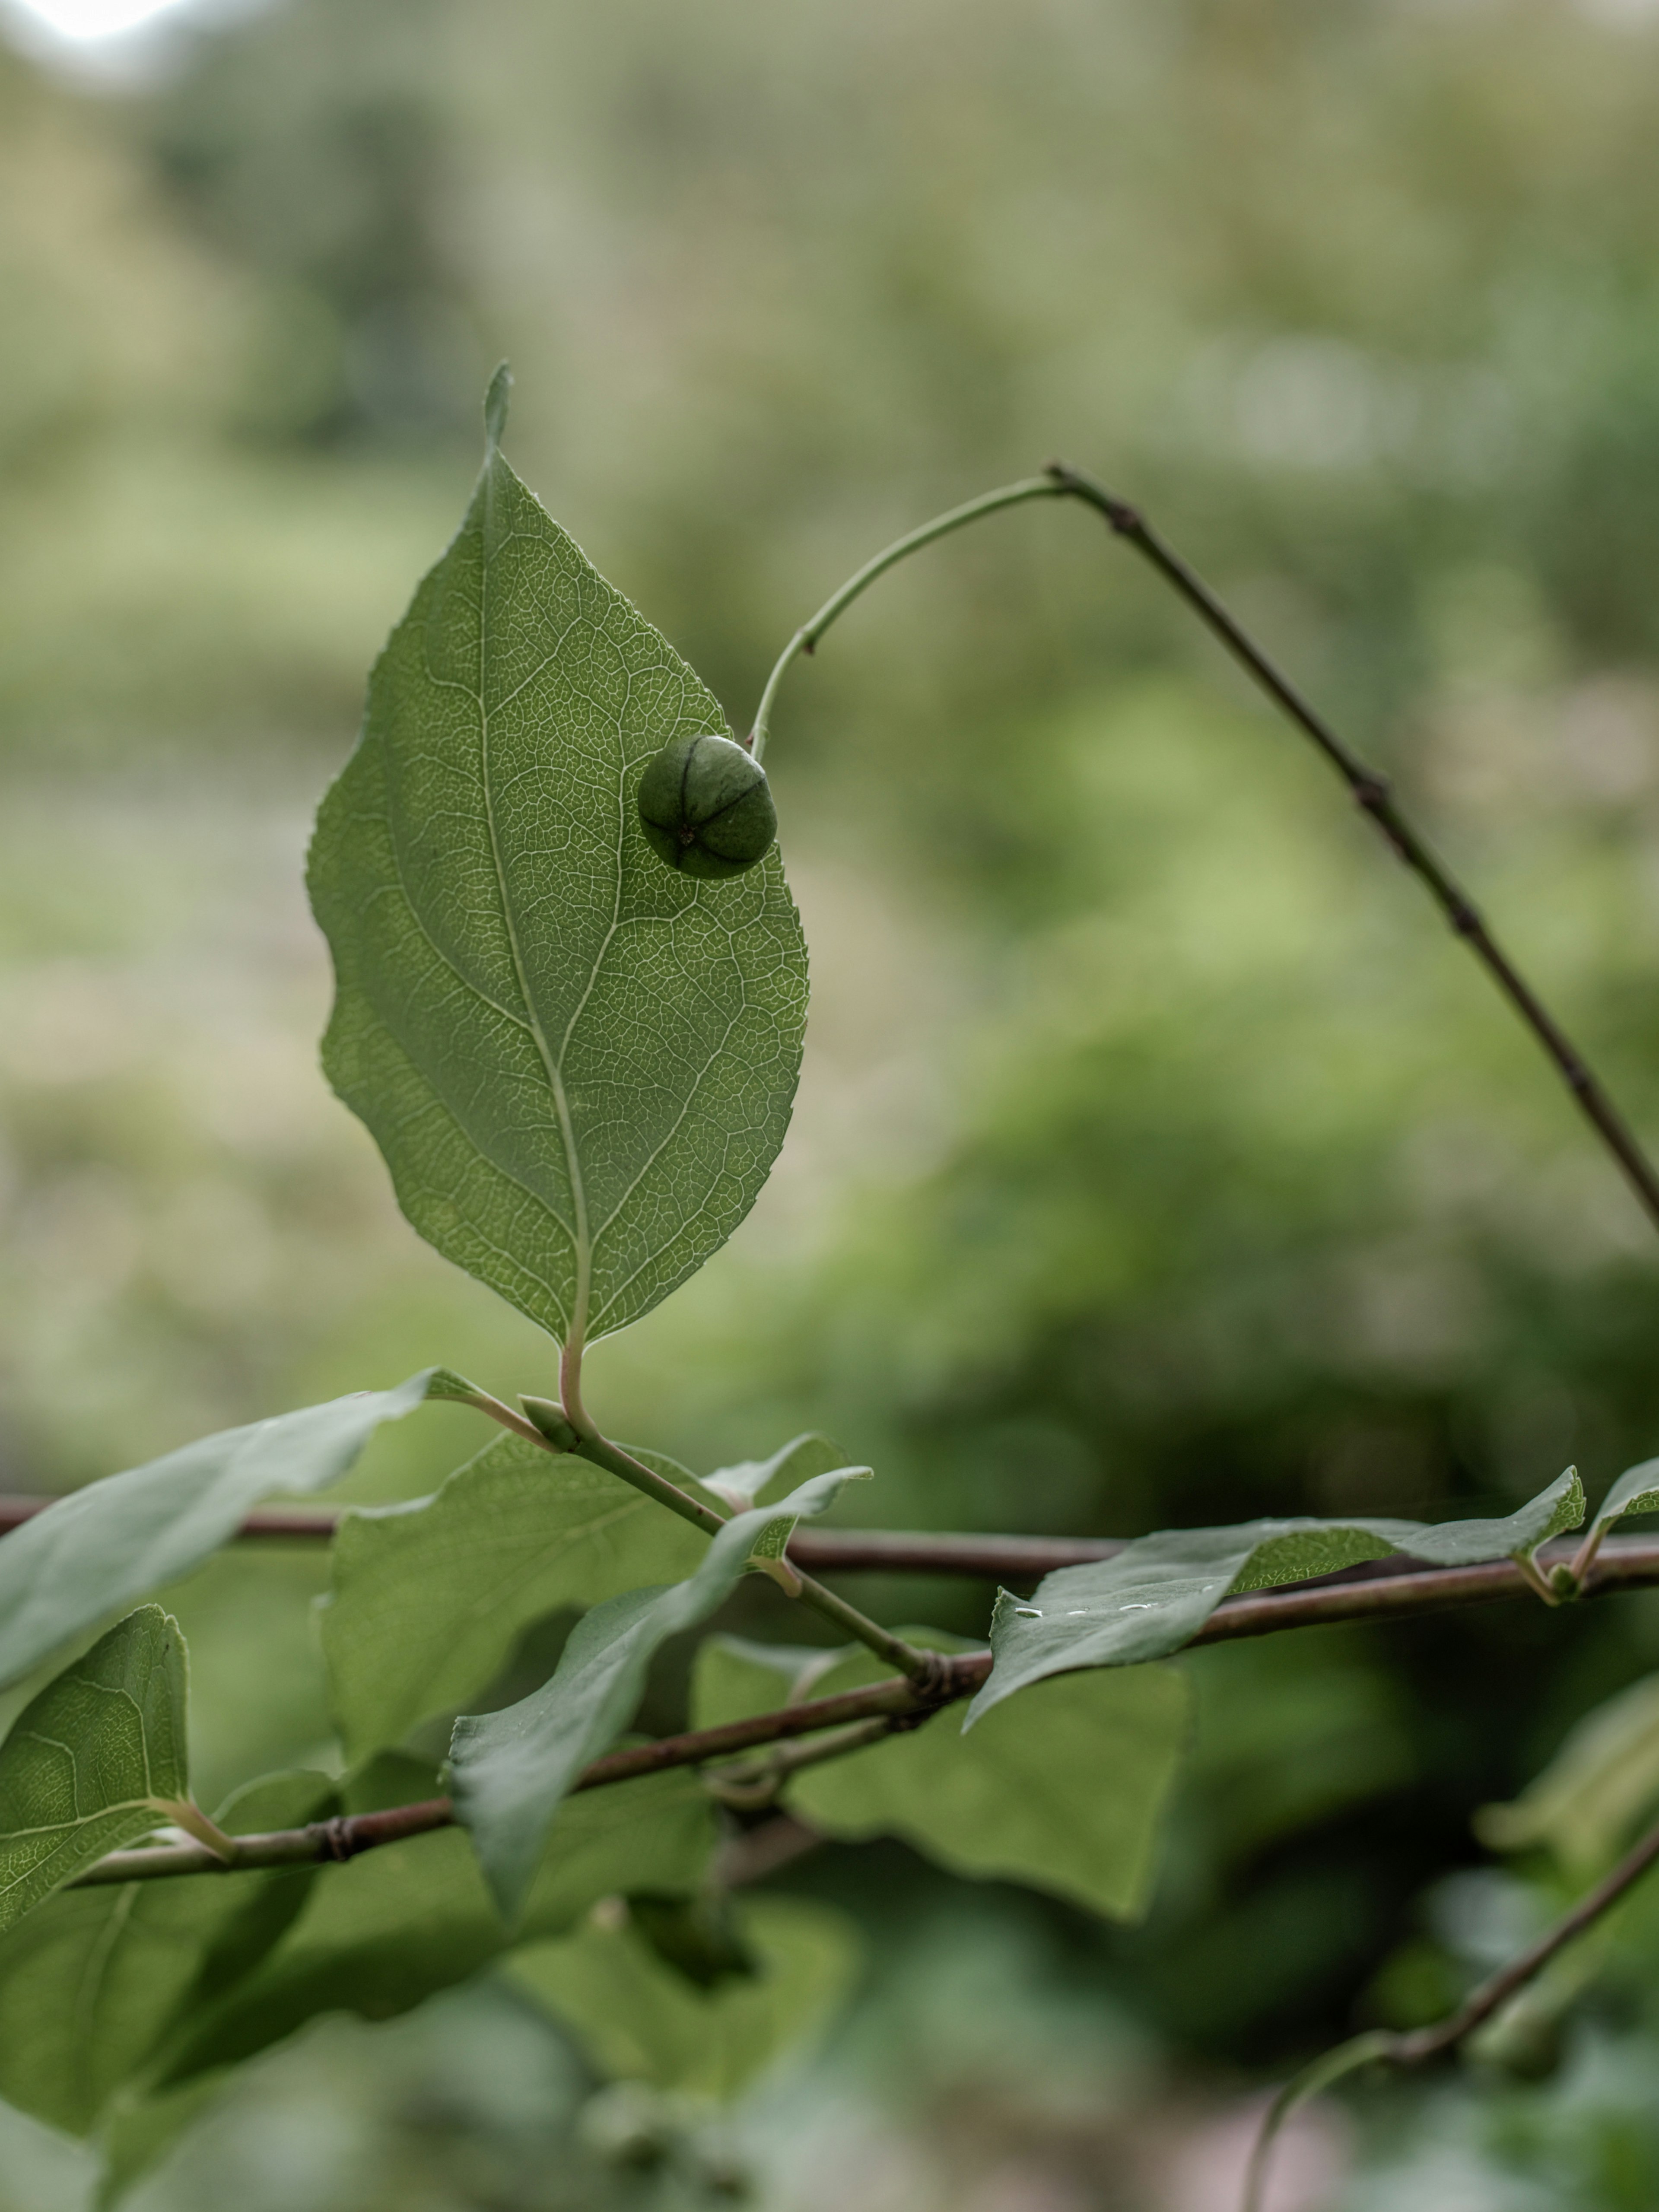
x=183, y=1814
x=920, y=1667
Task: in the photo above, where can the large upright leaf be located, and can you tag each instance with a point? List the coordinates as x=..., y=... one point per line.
x=97, y=1758
x=641, y=2020
x=1064, y=1791
x=579, y=1063
x=1156, y=1594
x=93, y=1983
x=104, y=1544
x=512, y=1769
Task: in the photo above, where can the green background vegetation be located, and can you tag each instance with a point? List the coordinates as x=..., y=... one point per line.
x=1159, y=1159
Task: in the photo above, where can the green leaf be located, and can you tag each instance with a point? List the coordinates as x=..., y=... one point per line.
x=734, y=1679
x=1636, y=1490
x=578, y=1063
x=640, y=2019
x=429, y=1599
x=96, y=1760
x=511, y=1769
x=796, y=1462
x=1156, y=1593
x=1585, y=1805
x=104, y=1545
x=1063, y=1792
x=139, y=2133
x=93, y=1983
x=385, y=1931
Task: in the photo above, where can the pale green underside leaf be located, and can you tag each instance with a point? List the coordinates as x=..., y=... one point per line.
x=93, y=1760
x=1063, y=1791
x=792, y=1463
x=511, y=1769
x=381, y=1934
x=102, y=1546
x=1585, y=1805
x=578, y=1062
x=1156, y=1594
x=639, y=2020
x=92, y=1983
x=427, y=1600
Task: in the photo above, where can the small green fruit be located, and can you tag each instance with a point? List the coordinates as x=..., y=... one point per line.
x=706, y=806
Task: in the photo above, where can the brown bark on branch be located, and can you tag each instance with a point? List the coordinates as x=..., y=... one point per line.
x=1623, y=1564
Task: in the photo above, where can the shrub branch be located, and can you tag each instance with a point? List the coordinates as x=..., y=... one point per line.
x=1623, y=1564
x=1419, y=2046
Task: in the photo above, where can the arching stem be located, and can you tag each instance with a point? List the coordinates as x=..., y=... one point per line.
x=805, y=638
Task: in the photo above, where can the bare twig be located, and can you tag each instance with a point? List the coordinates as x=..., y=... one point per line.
x=1372, y=792
x=1421, y=2045
x=350, y=1834
x=1630, y=1564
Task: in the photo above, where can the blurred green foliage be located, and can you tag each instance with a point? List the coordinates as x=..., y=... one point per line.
x=1158, y=1157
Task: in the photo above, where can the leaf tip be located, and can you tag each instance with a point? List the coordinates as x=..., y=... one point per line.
x=496, y=405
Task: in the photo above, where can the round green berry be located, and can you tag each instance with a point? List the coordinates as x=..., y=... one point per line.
x=704, y=806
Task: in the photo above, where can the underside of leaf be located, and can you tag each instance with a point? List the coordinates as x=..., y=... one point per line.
x=579, y=1064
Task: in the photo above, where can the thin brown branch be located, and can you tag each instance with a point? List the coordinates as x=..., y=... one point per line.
x=1372, y=792
x=1623, y=1564
x=747, y=1788
x=870, y=1551
x=1490, y=1996
x=1419, y=2046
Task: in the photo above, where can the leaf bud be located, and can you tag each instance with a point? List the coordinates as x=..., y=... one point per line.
x=551, y=1420
x=706, y=806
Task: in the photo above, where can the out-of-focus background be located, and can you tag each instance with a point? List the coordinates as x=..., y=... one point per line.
x=1159, y=1157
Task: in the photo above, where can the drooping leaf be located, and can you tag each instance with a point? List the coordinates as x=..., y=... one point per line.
x=387, y=1930
x=1585, y=1805
x=426, y=1600
x=1063, y=1791
x=96, y=1760
x=512, y=1769
x=578, y=1063
x=107, y=1544
x=792, y=1463
x=640, y=2019
x=1156, y=1594
x=93, y=1983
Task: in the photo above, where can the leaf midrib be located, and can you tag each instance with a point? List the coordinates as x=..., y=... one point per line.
x=577, y=1327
